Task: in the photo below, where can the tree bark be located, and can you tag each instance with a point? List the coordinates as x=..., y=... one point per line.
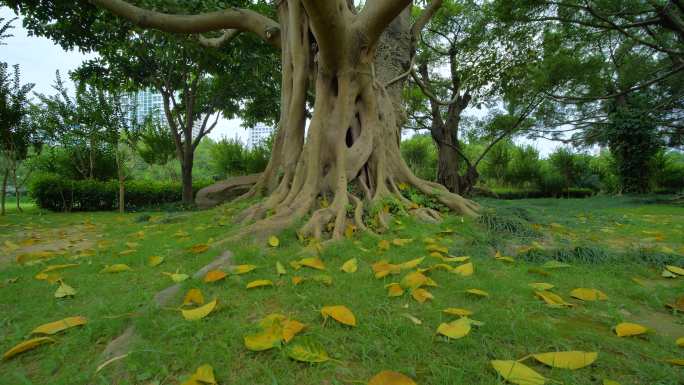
x=4, y=192
x=186, y=176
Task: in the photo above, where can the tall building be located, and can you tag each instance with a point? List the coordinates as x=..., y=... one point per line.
x=258, y=134
x=145, y=103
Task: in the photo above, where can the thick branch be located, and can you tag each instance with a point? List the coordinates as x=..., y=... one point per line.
x=232, y=18
x=216, y=42
x=376, y=16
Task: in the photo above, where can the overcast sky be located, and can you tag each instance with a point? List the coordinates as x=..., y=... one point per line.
x=39, y=58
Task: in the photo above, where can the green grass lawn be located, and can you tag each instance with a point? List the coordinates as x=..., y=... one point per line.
x=608, y=242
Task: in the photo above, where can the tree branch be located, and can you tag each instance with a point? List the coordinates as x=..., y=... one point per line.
x=376, y=16
x=216, y=42
x=231, y=18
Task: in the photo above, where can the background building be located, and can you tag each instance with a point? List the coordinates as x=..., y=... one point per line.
x=145, y=103
x=258, y=134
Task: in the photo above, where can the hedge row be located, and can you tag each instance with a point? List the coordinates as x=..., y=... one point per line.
x=573, y=192
x=53, y=192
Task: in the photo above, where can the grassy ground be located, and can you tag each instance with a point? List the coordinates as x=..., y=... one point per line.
x=607, y=242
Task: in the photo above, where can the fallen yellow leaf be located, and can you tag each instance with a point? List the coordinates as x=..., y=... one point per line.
x=64, y=290
x=412, y=264
x=280, y=269
x=457, y=311
x=680, y=342
x=541, y=286
x=154, y=260
x=193, y=296
x=675, y=269
x=382, y=269
x=203, y=375
x=676, y=361
x=291, y=328
x=350, y=266
x=177, y=277
x=627, y=329
x=465, y=270
x=116, y=268
x=610, y=382
x=214, y=275
x=394, y=290
x=517, y=373
x=414, y=280
x=383, y=245
x=259, y=283
x=478, y=292
x=551, y=299
x=26, y=345
x=421, y=295
x=296, y=280
x=586, y=294
x=273, y=241
x=200, y=312
x=339, y=313
x=455, y=329
x=306, y=349
x=567, y=360
x=58, y=326
x=312, y=262
x=59, y=267
x=242, y=269
x=268, y=338
x=199, y=248
x=388, y=377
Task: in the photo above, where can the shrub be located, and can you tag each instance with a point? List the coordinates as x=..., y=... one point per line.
x=420, y=153
x=53, y=192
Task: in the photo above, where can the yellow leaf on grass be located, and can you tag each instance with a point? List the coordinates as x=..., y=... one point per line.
x=457, y=311
x=154, y=260
x=177, y=277
x=215, y=275
x=437, y=249
x=193, y=296
x=339, y=313
x=412, y=264
x=205, y=375
x=268, y=338
x=58, y=326
x=200, y=312
x=132, y=245
x=50, y=277
x=627, y=329
x=388, y=377
x=296, y=280
x=242, y=269
x=26, y=345
x=382, y=269
x=59, y=267
x=517, y=373
x=64, y=290
x=455, y=329
x=421, y=295
x=116, y=268
x=401, y=241
x=312, y=262
x=394, y=290
x=676, y=361
x=260, y=283
x=291, y=328
x=477, y=292
x=675, y=269
x=680, y=342
x=280, y=269
x=350, y=266
x=551, y=299
x=610, y=382
x=383, y=245
x=586, y=294
x=199, y=248
x=307, y=350
x=668, y=274
x=349, y=231
x=273, y=241
x=567, y=360
x=414, y=280
x=127, y=252
x=439, y=266
x=541, y=286
x=465, y=270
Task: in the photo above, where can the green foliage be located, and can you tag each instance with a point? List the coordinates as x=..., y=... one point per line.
x=56, y=193
x=420, y=154
x=525, y=167
x=154, y=142
x=497, y=161
x=229, y=157
x=634, y=141
x=513, y=222
x=73, y=162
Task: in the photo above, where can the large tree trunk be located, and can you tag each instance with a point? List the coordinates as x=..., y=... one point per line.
x=186, y=175
x=351, y=153
x=448, y=161
x=4, y=192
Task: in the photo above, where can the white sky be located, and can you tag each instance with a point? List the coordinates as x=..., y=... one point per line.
x=39, y=58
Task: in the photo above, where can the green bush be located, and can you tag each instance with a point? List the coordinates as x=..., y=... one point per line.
x=420, y=153
x=53, y=192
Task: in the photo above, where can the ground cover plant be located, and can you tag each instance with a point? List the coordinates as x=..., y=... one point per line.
x=622, y=247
